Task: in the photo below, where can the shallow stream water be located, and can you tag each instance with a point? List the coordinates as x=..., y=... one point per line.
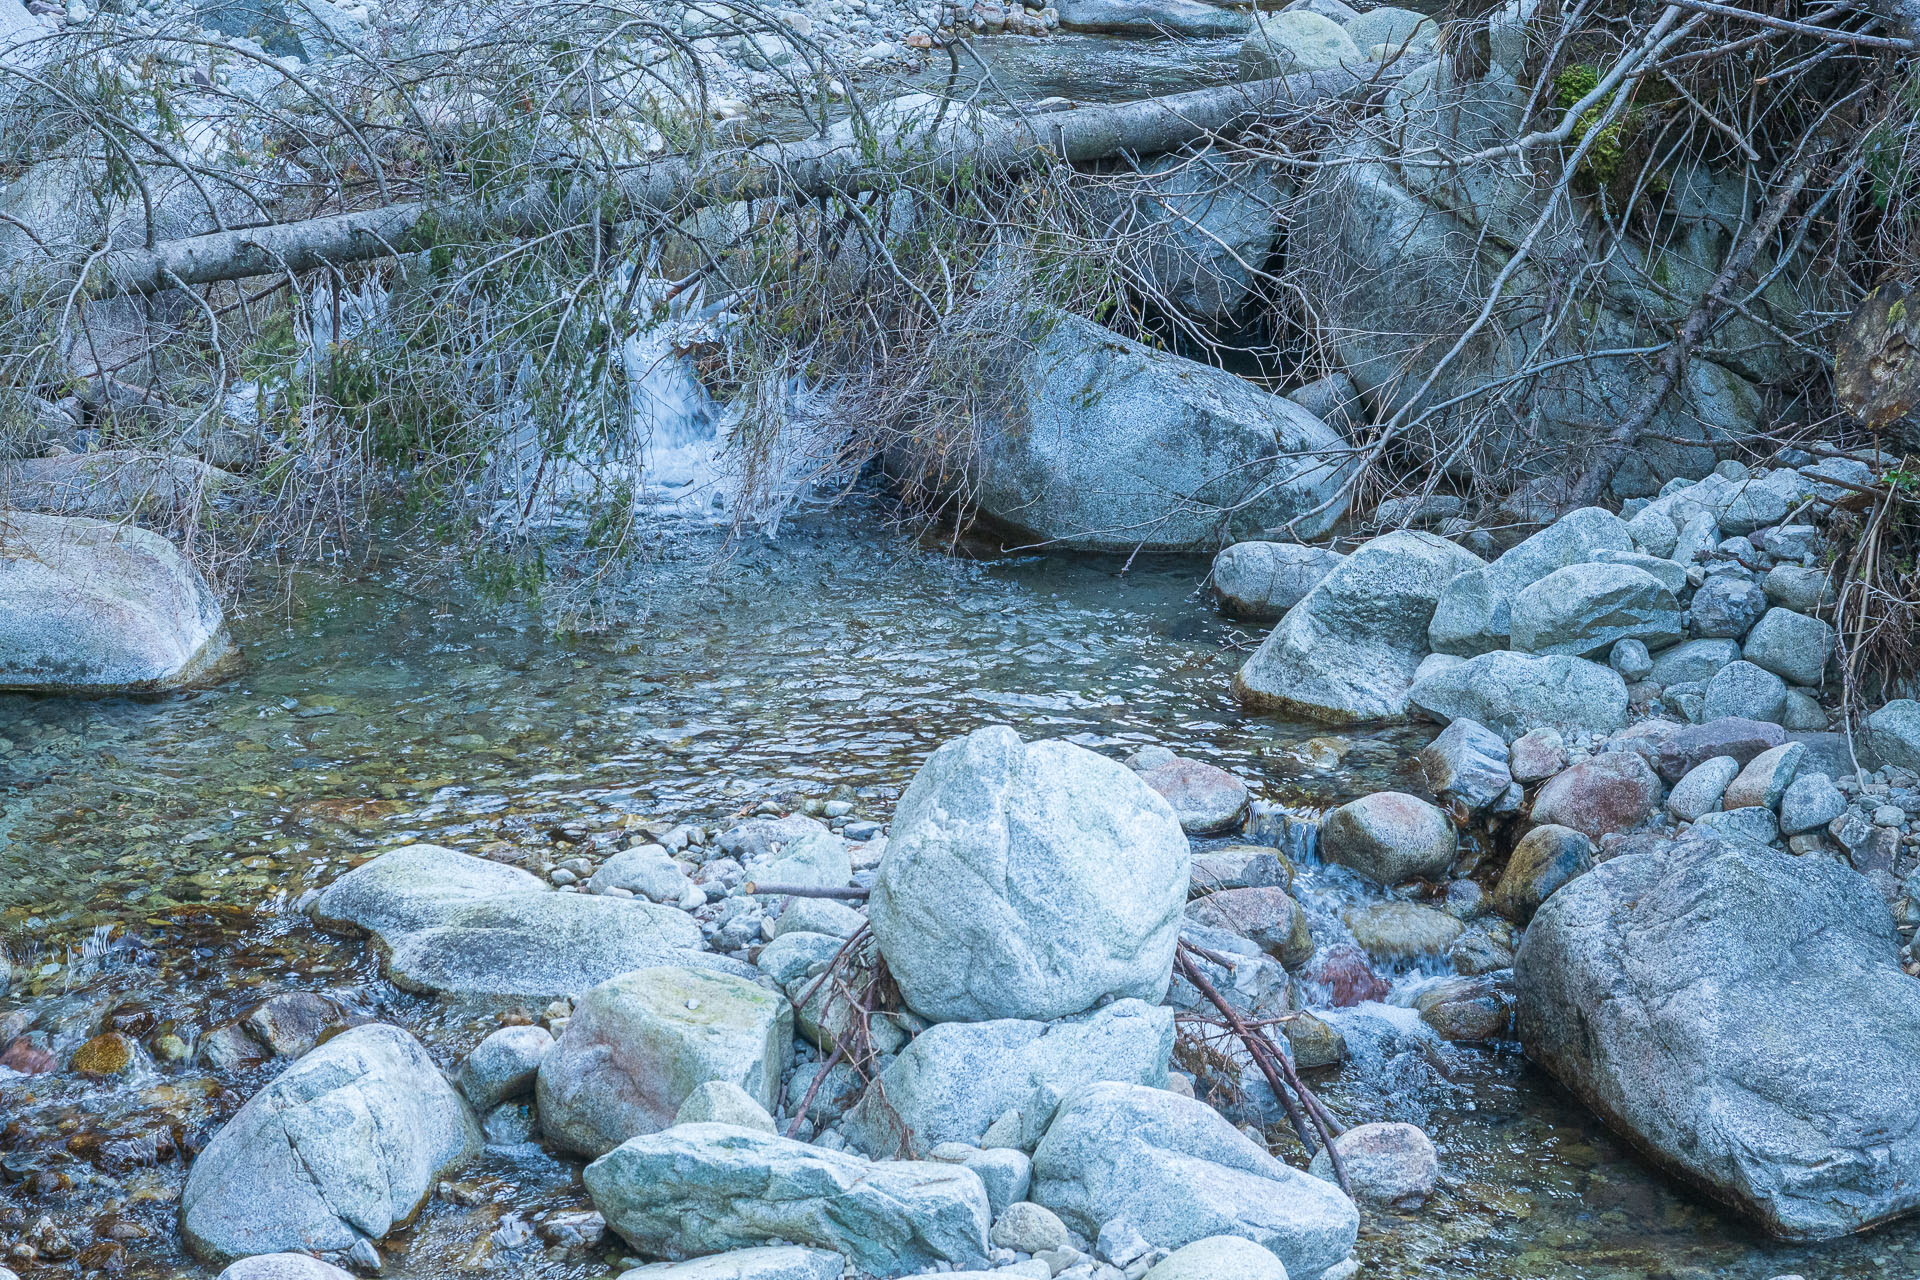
x=149, y=849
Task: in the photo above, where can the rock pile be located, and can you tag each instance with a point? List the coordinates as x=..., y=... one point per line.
x=752, y=1113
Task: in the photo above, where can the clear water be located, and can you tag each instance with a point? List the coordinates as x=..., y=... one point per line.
x=147, y=849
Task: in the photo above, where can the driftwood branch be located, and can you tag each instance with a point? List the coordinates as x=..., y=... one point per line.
x=676, y=186
x=754, y=888
x=1275, y=1066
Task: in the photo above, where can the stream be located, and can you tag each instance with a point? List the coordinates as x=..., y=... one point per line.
x=150, y=848
x=153, y=850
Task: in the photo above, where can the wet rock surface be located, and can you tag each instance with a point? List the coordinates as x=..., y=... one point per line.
x=340, y=1148
x=701, y=1188
x=1348, y=651
x=1178, y=1172
x=1737, y=1013
x=452, y=924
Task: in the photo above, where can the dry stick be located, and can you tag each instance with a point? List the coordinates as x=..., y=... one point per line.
x=1265, y=1056
x=756, y=889
x=1673, y=361
x=839, y=1051
x=1797, y=28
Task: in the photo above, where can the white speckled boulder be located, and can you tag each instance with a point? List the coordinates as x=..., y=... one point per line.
x=703, y=1188
x=1028, y=881
x=89, y=606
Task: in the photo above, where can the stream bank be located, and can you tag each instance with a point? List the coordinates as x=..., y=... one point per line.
x=154, y=848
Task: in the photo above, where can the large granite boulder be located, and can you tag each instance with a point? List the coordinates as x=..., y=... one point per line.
x=114, y=484
x=703, y=1188
x=1347, y=652
x=1741, y=1016
x=88, y=606
x=1028, y=881
x=1102, y=443
x=342, y=1146
x=1406, y=252
x=1293, y=41
x=454, y=925
x=958, y=1079
x=1179, y=1172
x=1198, y=226
x=638, y=1046
x=1514, y=693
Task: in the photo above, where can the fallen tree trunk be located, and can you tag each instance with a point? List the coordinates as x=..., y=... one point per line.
x=675, y=186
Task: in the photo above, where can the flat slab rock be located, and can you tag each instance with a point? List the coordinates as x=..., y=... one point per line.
x=774, y=1262
x=1740, y=1015
x=702, y=1188
x=455, y=925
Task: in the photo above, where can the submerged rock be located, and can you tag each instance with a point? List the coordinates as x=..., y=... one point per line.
x=451, y=924
x=1400, y=930
x=1028, y=881
x=1348, y=651
x=638, y=1046
x=341, y=1147
x=1107, y=444
x=1741, y=1015
x=88, y=606
x=1179, y=1172
x=703, y=1188
x=1386, y=1163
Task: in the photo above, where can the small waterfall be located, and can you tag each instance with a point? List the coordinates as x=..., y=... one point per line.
x=675, y=422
